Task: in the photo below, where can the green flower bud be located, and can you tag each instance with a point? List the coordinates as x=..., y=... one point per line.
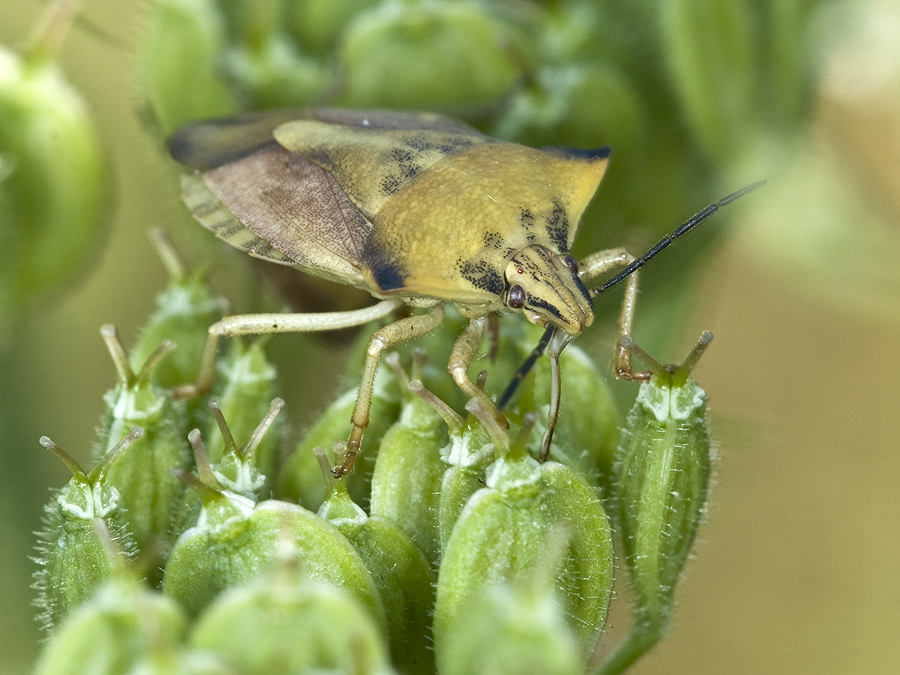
x=276, y=74
x=250, y=21
x=469, y=452
x=407, y=478
x=401, y=571
x=514, y=628
x=504, y=533
x=180, y=661
x=580, y=105
x=235, y=539
x=179, y=62
x=53, y=182
x=197, y=663
x=588, y=430
x=245, y=383
x=74, y=547
x=406, y=54
x=185, y=311
x=714, y=70
x=285, y=622
x=236, y=470
x=662, y=472
x=299, y=478
x=121, y=629
x=567, y=29
x=142, y=477
x=317, y=24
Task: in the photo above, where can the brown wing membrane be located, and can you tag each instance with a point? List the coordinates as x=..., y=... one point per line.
x=291, y=205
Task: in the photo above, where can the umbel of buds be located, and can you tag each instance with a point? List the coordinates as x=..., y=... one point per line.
x=453, y=551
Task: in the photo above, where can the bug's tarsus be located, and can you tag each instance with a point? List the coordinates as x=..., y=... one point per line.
x=667, y=241
x=344, y=463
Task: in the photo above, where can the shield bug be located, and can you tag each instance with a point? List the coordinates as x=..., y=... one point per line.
x=417, y=209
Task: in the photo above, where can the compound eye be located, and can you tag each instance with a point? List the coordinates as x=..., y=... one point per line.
x=516, y=297
x=571, y=263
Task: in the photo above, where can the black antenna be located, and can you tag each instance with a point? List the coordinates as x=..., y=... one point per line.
x=525, y=368
x=665, y=242
x=638, y=263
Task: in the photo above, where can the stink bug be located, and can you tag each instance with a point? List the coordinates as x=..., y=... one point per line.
x=417, y=209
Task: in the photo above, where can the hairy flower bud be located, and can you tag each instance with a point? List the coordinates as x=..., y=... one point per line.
x=515, y=627
x=407, y=477
x=401, y=570
x=124, y=628
x=236, y=538
x=504, y=532
x=423, y=34
x=662, y=472
x=715, y=71
x=245, y=384
x=143, y=476
x=179, y=62
x=299, y=478
x=79, y=523
x=185, y=310
x=285, y=622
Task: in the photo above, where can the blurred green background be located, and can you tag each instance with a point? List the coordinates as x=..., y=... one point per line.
x=798, y=570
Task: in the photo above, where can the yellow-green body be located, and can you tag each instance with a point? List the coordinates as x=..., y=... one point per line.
x=411, y=206
x=415, y=208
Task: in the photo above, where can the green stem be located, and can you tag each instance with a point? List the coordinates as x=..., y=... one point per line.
x=645, y=633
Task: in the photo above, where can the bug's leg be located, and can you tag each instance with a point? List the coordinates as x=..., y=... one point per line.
x=260, y=324
x=464, y=350
x=599, y=263
x=401, y=331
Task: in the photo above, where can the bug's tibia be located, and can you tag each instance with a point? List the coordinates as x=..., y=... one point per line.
x=464, y=350
x=400, y=331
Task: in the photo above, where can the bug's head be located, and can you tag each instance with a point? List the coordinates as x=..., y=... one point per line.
x=545, y=286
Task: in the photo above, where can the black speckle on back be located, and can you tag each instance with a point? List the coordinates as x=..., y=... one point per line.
x=401, y=155
x=493, y=239
x=482, y=276
x=391, y=183
x=415, y=153
x=558, y=227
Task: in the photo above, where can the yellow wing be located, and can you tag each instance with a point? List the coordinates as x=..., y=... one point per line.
x=372, y=164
